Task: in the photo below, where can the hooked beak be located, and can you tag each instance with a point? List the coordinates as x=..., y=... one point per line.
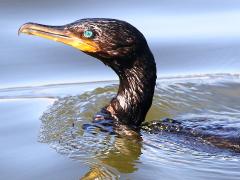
x=59, y=34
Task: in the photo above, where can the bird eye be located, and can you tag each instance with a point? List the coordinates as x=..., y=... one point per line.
x=88, y=34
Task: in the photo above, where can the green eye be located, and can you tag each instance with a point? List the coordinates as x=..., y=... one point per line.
x=88, y=34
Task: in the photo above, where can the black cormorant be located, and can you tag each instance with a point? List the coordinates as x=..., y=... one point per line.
x=120, y=46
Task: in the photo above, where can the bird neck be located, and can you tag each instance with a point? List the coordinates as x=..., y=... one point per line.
x=136, y=89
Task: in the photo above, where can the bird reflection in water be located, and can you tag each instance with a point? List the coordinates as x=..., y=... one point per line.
x=107, y=154
x=124, y=160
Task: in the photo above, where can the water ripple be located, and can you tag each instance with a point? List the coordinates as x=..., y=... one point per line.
x=208, y=104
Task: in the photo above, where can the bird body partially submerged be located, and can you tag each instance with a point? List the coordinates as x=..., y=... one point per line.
x=122, y=47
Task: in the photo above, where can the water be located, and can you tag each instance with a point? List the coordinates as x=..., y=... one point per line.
x=46, y=114
x=46, y=87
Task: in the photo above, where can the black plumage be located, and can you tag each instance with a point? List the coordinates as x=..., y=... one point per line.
x=122, y=47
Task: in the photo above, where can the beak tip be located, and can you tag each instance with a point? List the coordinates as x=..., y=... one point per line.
x=23, y=28
x=19, y=31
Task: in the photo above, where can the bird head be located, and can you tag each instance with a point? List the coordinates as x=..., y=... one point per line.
x=110, y=40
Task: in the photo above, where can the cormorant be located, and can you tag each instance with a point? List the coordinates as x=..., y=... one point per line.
x=120, y=46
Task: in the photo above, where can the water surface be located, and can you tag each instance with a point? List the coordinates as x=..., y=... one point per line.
x=60, y=116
